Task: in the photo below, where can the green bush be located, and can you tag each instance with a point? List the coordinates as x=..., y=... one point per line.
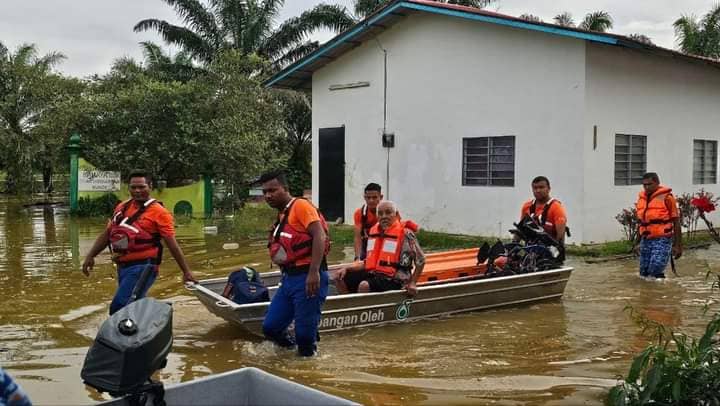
x=688, y=374
x=102, y=206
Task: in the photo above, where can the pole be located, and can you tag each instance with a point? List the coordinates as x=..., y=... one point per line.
x=74, y=148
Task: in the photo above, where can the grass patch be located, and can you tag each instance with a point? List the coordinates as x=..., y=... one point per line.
x=606, y=249
x=429, y=240
x=252, y=221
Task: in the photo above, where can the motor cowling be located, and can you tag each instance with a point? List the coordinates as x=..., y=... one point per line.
x=129, y=347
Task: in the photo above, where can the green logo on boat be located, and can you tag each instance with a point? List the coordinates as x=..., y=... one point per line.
x=403, y=311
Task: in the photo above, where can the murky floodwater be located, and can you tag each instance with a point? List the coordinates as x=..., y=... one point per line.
x=564, y=352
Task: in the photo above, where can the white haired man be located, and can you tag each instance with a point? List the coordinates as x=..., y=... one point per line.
x=394, y=257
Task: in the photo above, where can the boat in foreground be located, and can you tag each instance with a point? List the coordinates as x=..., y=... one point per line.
x=245, y=386
x=452, y=282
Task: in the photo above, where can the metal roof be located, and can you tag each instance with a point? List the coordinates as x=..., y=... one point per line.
x=299, y=74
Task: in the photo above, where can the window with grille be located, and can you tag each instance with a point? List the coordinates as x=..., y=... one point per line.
x=630, y=159
x=704, y=162
x=488, y=161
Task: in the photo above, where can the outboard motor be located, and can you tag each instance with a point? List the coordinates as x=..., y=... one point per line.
x=130, y=346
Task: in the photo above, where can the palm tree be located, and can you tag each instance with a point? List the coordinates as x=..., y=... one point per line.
x=364, y=8
x=564, y=19
x=165, y=67
x=27, y=85
x=641, y=38
x=531, y=17
x=245, y=25
x=599, y=21
x=700, y=37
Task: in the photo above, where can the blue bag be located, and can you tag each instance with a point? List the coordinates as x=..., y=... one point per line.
x=245, y=286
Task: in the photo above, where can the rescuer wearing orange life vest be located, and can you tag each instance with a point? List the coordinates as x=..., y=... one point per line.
x=659, y=232
x=366, y=217
x=134, y=235
x=549, y=213
x=391, y=252
x=298, y=243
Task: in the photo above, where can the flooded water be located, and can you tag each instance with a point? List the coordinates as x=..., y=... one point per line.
x=566, y=352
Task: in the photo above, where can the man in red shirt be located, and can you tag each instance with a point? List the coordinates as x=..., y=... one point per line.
x=549, y=213
x=134, y=235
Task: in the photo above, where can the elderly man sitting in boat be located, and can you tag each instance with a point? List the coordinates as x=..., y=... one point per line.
x=394, y=258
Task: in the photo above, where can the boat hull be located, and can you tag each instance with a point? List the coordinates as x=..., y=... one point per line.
x=434, y=299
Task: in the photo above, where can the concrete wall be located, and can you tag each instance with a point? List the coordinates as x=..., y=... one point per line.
x=450, y=78
x=670, y=101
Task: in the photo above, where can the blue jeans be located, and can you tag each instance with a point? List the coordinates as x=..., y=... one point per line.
x=292, y=303
x=654, y=256
x=127, y=279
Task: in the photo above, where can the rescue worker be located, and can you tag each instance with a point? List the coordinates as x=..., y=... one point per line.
x=298, y=243
x=547, y=212
x=134, y=235
x=659, y=232
x=366, y=217
x=393, y=249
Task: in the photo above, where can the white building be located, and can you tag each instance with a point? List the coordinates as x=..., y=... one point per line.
x=480, y=103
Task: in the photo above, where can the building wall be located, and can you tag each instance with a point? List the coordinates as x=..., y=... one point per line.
x=450, y=78
x=670, y=101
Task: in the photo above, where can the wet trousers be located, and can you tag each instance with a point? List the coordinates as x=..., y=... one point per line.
x=654, y=256
x=128, y=277
x=291, y=303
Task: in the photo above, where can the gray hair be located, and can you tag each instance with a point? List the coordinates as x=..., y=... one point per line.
x=388, y=203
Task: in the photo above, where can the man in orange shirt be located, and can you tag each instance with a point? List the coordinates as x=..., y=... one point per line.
x=298, y=243
x=134, y=235
x=366, y=217
x=547, y=212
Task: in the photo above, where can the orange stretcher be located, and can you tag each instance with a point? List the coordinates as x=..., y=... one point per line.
x=451, y=264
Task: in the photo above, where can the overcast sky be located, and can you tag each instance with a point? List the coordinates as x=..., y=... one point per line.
x=92, y=33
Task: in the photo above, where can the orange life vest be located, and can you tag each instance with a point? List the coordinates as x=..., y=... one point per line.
x=287, y=244
x=654, y=215
x=130, y=242
x=384, y=248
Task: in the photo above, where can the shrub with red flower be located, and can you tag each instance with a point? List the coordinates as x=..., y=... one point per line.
x=703, y=204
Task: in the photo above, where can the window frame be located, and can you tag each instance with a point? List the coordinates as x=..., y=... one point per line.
x=633, y=164
x=707, y=174
x=491, y=156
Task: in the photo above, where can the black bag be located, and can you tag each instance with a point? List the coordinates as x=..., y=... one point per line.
x=245, y=286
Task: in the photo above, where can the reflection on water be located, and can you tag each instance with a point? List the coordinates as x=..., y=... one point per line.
x=562, y=352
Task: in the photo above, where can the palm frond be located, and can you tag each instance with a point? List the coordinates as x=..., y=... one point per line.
x=153, y=53
x=232, y=17
x=294, y=54
x=564, y=19
x=197, y=17
x=471, y=3
x=531, y=17
x=599, y=21
x=364, y=8
x=180, y=36
x=294, y=31
x=641, y=38
x=687, y=34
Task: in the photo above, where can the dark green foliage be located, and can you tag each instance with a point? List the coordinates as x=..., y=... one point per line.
x=220, y=123
x=209, y=28
x=102, y=206
x=699, y=37
x=678, y=370
x=36, y=113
